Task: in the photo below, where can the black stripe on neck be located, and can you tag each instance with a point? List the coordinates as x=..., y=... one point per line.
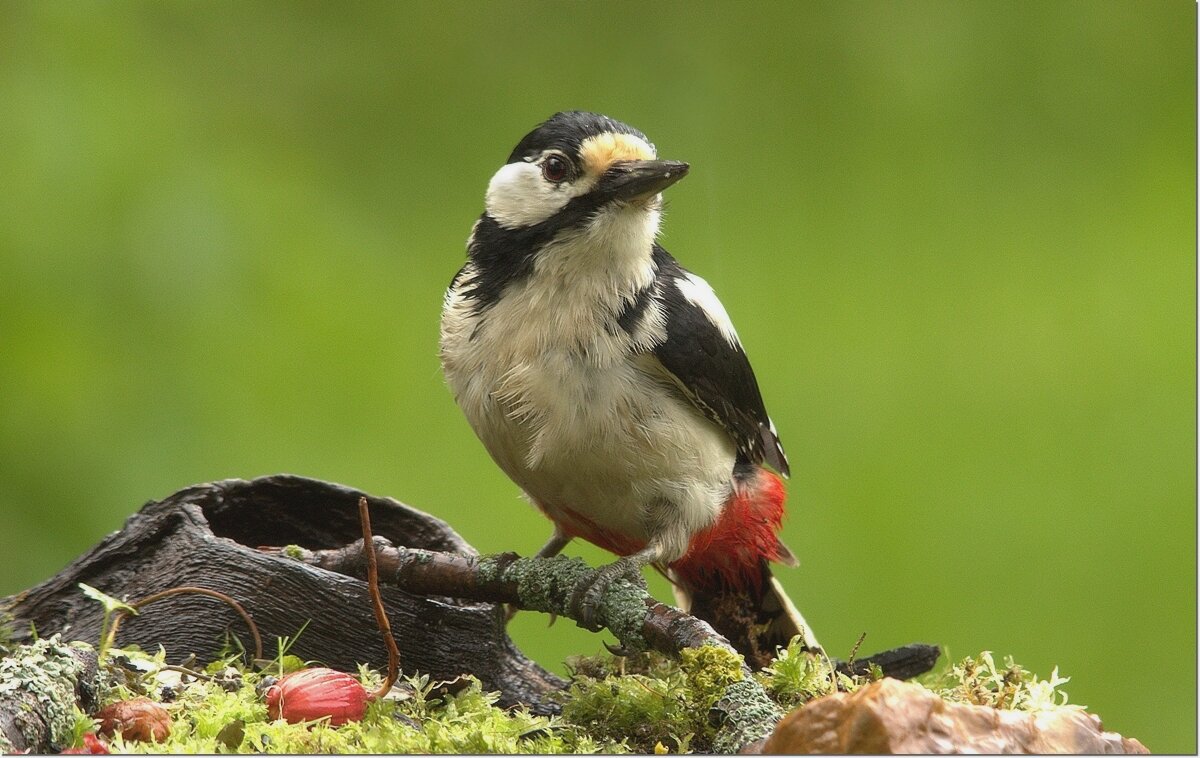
x=504, y=256
x=633, y=309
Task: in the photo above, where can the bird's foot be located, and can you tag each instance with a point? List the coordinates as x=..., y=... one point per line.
x=590, y=590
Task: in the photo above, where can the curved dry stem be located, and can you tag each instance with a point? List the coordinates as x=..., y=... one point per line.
x=138, y=605
x=381, y=618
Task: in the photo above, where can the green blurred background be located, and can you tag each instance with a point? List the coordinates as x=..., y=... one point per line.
x=958, y=240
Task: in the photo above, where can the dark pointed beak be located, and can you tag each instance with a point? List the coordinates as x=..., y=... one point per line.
x=630, y=180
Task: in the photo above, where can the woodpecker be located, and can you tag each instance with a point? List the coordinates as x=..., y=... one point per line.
x=609, y=384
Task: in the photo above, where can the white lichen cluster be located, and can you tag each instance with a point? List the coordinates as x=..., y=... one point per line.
x=47, y=672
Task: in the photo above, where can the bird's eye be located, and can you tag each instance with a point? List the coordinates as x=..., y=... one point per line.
x=555, y=169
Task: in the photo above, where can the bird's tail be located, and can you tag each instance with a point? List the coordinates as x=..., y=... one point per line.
x=725, y=578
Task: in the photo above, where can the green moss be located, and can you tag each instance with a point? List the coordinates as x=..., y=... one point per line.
x=657, y=703
x=294, y=552
x=797, y=676
x=710, y=670
x=227, y=714
x=638, y=710
x=646, y=703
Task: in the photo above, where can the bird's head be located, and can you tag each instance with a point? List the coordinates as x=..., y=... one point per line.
x=575, y=167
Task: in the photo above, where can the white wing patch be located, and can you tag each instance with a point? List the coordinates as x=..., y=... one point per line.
x=700, y=294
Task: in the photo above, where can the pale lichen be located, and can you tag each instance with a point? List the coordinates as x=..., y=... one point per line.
x=548, y=585
x=623, y=610
x=543, y=584
x=750, y=716
x=47, y=672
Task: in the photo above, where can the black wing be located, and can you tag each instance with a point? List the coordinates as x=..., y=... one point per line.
x=710, y=368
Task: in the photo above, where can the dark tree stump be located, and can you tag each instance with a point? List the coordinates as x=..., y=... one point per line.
x=207, y=536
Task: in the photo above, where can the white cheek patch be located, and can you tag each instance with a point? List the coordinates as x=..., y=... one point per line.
x=518, y=195
x=699, y=293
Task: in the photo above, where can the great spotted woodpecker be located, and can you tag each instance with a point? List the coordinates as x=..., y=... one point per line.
x=608, y=382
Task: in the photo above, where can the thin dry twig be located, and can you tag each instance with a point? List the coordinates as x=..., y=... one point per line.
x=854, y=650
x=188, y=672
x=138, y=605
x=381, y=617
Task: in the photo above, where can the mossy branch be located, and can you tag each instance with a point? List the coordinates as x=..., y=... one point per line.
x=538, y=584
x=639, y=621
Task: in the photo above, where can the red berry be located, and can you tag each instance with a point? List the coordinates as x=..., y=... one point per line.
x=92, y=745
x=317, y=693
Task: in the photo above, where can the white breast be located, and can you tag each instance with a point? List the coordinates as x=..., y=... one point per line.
x=580, y=418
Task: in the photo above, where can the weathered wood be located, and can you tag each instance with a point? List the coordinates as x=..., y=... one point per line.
x=207, y=536
x=899, y=663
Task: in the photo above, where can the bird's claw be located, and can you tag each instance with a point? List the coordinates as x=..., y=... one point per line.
x=618, y=650
x=585, y=600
